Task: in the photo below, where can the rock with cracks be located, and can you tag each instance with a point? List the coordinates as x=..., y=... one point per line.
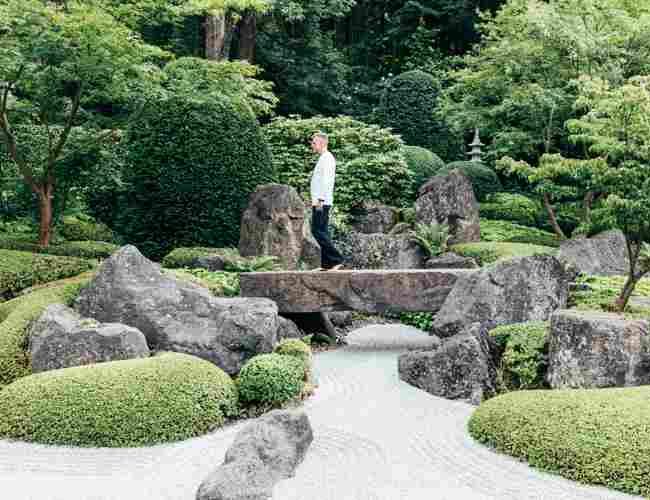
x=179, y=316
x=383, y=251
x=463, y=367
x=449, y=199
x=61, y=338
x=263, y=453
x=603, y=255
x=512, y=291
x=451, y=260
x=590, y=349
x=370, y=217
x=275, y=224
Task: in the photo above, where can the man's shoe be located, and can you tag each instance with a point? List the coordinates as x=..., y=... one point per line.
x=337, y=267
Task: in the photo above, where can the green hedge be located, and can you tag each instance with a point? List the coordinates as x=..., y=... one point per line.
x=15, y=316
x=192, y=165
x=185, y=256
x=138, y=402
x=524, y=360
x=220, y=283
x=423, y=163
x=598, y=436
x=511, y=207
x=484, y=179
x=271, y=378
x=83, y=249
x=298, y=349
x=488, y=252
x=502, y=230
x=85, y=229
x=20, y=270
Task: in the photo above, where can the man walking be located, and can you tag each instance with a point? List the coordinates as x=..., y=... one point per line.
x=322, y=197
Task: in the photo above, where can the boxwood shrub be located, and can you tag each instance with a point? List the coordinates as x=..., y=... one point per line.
x=598, y=436
x=271, y=378
x=20, y=270
x=484, y=179
x=511, y=207
x=138, y=402
x=423, y=163
x=85, y=229
x=488, y=252
x=502, y=230
x=83, y=249
x=298, y=349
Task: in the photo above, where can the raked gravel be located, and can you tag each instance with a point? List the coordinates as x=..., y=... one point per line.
x=375, y=438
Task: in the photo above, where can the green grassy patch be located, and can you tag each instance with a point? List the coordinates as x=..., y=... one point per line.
x=488, y=252
x=121, y=403
x=602, y=291
x=599, y=436
x=503, y=230
x=83, y=249
x=220, y=283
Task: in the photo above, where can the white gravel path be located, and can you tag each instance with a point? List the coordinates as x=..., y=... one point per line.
x=376, y=438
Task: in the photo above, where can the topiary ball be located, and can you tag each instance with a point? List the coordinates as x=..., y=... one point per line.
x=423, y=163
x=271, y=378
x=484, y=180
x=298, y=349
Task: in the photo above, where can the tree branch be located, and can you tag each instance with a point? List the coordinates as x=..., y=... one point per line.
x=54, y=155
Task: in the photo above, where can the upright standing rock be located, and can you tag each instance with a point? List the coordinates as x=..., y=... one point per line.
x=602, y=255
x=275, y=224
x=370, y=217
x=449, y=199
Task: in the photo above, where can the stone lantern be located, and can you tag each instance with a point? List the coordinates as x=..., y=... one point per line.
x=475, y=153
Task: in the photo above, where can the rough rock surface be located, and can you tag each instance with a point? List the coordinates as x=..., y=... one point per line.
x=383, y=251
x=602, y=255
x=287, y=329
x=463, y=367
x=370, y=217
x=450, y=200
x=61, y=338
x=211, y=262
x=275, y=224
x=592, y=349
x=263, y=453
x=177, y=315
x=451, y=260
x=368, y=291
x=513, y=291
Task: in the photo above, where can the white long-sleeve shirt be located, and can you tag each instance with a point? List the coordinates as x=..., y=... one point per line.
x=322, y=179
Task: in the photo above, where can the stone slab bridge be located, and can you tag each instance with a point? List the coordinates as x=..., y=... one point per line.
x=370, y=291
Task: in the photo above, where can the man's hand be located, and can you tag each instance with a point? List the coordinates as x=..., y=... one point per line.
x=318, y=205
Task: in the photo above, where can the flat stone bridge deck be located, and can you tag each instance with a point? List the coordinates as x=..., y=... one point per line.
x=370, y=291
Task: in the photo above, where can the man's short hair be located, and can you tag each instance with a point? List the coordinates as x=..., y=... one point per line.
x=322, y=136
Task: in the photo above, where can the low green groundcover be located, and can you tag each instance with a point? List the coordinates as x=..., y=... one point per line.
x=271, y=378
x=138, y=402
x=601, y=291
x=184, y=257
x=83, y=249
x=488, y=252
x=598, y=436
x=502, y=230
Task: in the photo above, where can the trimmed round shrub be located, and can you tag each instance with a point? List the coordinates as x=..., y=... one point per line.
x=524, y=360
x=511, y=207
x=271, y=378
x=408, y=106
x=192, y=166
x=298, y=349
x=137, y=402
x=484, y=179
x=75, y=229
x=423, y=163
x=185, y=257
x=598, y=436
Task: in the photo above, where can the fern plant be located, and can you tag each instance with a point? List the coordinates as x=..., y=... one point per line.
x=432, y=238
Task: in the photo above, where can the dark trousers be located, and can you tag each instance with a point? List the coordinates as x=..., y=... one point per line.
x=330, y=256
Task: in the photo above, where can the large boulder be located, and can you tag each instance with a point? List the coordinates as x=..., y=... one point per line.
x=590, y=349
x=463, y=367
x=177, y=315
x=370, y=217
x=512, y=291
x=602, y=255
x=449, y=199
x=61, y=338
x=263, y=453
x=382, y=251
x=275, y=224
x=450, y=260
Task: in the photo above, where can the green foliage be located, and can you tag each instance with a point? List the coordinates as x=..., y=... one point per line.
x=597, y=436
x=598, y=293
x=484, y=180
x=192, y=166
x=501, y=230
x=524, y=360
x=369, y=159
x=421, y=320
x=489, y=252
x=233, y=262
x=432, y=238
x=423, y=163
x=220, y=283
x=86, y=229
x=82, y=249
x=20, y=270
x=271, y=378
x=137, y=402
x=15, y=317
x=511, y=207
x=298, y=349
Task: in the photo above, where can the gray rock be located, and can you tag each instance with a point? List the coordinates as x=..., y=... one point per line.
x=177, y=315
x=287, y=329
x=341, y=319
x=211, y=262
x=513, y=291
x=382, y=251
x=450, y=200
x=275, y=224
x=603, y=255
x=590, y=349
x=263, y=453
x=370, y=217
x=400, y=228
x=451, y=260
x=60, y=338
x=463, y=367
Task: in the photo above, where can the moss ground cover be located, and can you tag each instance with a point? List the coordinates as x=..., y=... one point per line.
x=488, y=252
x=501, y=230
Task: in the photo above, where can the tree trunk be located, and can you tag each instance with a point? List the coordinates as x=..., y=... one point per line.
x=248, y=37
x=45, y=212
x=551, y=215
x=587, y=202
x=215, y=36
x=626, y=293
